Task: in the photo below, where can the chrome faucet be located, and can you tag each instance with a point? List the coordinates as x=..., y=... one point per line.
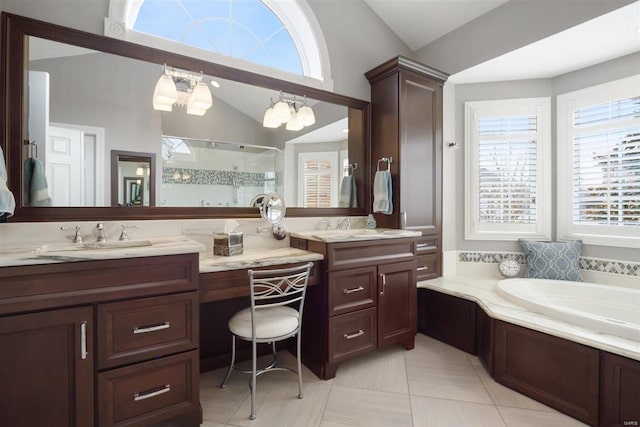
x=123, y=233
x=345, y=222
x=100, y=230
x=77, y=238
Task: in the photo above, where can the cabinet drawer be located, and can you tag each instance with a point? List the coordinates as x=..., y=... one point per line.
x=344, y=255
x=149, y=392
x=351, y=290
x=352, y=334
x=136, y=330
x=428, y=266
x=427, y=244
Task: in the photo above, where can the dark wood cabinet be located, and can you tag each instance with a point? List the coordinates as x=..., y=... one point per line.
x=406, y=125
x=619, y=390
x=46, y=368
x=397, y=296
x=65, y=327
x=367, y=300
x=448, y=319
x=554, y=371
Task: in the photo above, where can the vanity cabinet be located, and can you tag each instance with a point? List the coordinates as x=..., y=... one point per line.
x=106, y=343
x=46, y=368
x=367, y=300
x=406, y=125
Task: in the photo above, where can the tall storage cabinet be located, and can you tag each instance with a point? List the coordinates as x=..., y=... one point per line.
x=406, y=126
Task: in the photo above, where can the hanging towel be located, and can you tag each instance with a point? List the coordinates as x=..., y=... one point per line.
x=7, y=201
x=382, y=192
x=35, y=184
x=348, y=195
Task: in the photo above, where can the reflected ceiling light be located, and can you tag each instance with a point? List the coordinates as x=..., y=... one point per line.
x=183, y=89
x=139, y=171
x=290, y=110
x=215, y=84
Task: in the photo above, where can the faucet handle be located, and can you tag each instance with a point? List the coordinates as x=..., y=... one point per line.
x=77, y=238
x=123, y=233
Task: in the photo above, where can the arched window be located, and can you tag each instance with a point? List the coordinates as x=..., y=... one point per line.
x=280, y=39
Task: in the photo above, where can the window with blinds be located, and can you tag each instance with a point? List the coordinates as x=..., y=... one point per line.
x=507, y=153
x=317, y=184
x=606, y=163
x=599, y=164
x=507, y=175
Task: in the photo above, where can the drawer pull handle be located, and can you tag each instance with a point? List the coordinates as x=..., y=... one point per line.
x=425, y=247
x=142, y=396
x=383, y=278
x=424, y=268
x=165, y=325
x=352, y=290
x=83, y=340
x=352, y=336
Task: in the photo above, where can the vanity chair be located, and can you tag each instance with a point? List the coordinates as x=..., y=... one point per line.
x=277, y=301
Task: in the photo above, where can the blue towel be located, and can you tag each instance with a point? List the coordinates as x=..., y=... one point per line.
x=382, y=192
x=348, y=195
x=35, y=191
x=7, y=201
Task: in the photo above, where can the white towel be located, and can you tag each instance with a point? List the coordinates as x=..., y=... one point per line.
x=348, y=195
x=7, y=201
x=382, y=192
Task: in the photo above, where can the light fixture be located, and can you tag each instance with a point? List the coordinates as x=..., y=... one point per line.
x=139, y=171
x=290, y=110
x=184, y=89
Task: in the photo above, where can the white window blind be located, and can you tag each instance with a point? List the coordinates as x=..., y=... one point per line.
x=606, y=163
x=599, y=164
x=507, y=178
x=507, y=170
x=317, y=184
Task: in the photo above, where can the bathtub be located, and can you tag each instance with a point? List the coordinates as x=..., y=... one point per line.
x=602, y=308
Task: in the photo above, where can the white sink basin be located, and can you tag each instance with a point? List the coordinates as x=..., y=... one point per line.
x=116, y=244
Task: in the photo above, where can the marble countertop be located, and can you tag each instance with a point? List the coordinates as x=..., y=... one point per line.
x=360, y=234
x=210, y=263
x=68, y=252
x=482, y=291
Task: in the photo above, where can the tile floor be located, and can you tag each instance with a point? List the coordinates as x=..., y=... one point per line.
x=431, y=385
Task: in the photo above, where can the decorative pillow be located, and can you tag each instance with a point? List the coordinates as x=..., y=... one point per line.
x=558, y=261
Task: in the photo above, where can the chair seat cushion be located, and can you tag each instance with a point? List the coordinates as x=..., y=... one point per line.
x=271, y=322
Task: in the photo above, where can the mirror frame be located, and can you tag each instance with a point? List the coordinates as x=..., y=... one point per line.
x=132, y=156
x=13, y=127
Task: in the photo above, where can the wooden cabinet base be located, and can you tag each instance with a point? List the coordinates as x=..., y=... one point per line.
x=619, y=391
x=559, y=373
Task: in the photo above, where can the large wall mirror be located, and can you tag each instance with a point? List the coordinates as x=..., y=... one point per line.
x=77, y=98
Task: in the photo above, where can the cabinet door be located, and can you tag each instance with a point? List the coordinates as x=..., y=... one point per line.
x=46, y=369
x=420, y=122
x=397, y=302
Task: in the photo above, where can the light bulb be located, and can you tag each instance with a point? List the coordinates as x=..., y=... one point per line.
x=139, y=171
x=283, y=113
x=306, y=116
x=294, y=123
x=270, y=120
x=200, y=100
x=165, y=93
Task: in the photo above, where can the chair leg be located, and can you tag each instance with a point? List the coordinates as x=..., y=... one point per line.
x=299, y=356
x=233, y=362
x=252, y=416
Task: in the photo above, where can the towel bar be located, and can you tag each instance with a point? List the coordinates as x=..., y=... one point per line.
x=388, y=160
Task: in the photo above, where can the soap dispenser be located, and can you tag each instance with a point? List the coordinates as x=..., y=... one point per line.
x=371, y=222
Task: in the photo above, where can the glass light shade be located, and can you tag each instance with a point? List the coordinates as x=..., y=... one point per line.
x=165, y=93
x=177, y=175
x=283, y=113
x=270, y=120
x=200, y=100
x=139, y=172
x=306, y=116
x=294, y=123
